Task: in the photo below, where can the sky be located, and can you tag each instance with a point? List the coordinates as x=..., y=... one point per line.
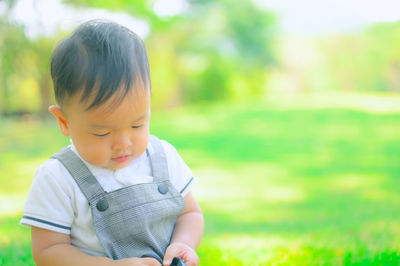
x=305, y=17
x=45, y=17
x=331, y=16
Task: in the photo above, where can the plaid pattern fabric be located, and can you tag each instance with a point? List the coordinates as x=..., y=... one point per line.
x=134, y=221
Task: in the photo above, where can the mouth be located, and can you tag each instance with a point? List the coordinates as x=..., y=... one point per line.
x=121, y=159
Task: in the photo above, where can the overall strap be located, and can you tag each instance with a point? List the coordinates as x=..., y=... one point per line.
x=158, y=160
x=88, y=184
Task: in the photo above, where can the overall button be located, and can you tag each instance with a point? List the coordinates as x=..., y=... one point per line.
x=163, y=188
x=102, y=205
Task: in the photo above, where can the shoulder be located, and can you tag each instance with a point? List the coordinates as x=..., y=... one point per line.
x=53, y=173
x=169, y=149
x=170, y=152
x=179, y=173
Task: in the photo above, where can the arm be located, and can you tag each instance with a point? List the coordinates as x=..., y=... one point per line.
x=52, y=248
x=187, y=234
x=190, y=224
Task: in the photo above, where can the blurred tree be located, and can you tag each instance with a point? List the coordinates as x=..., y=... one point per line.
x=214, y=50
x=236, y=40
x=12, y=41
x=383, y=56
x=24, y=69
x=368, y=61
x=43, y=48
x=211, y=50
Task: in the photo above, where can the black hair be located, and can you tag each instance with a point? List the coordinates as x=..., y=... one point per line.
x=100, y=58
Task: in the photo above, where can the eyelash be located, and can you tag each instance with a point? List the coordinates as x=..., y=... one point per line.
x=103, y=135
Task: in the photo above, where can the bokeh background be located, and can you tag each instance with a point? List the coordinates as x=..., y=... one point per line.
x=287, y=112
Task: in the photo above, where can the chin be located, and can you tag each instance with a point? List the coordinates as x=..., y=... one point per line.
x=116, y=166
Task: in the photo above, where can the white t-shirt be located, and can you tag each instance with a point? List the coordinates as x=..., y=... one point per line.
x=56, y=203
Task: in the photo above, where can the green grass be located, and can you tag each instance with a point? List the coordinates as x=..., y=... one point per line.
x=304, y=181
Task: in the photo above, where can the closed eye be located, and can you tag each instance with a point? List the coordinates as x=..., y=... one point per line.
x=101, y=135
x=137, y=126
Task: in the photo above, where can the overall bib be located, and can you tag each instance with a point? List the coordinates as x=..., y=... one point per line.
x=134, y=221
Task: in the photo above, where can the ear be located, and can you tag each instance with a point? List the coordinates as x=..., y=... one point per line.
x=60, y=116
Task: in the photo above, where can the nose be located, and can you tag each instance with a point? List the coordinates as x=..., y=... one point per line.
x=122, y=142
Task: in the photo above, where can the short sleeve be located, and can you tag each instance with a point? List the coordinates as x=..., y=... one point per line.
x=49, y=204
x=179, y=173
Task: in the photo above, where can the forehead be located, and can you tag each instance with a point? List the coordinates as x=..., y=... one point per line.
x=105, y=97
x=115, y=109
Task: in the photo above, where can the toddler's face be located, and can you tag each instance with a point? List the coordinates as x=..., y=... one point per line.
x=110, y=137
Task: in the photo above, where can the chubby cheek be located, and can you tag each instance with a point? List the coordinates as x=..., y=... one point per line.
x=142, y=142
x=93, y=152
x=98, y=157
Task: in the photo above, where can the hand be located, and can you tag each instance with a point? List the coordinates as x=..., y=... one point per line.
x=182, y=251
x=137, y=262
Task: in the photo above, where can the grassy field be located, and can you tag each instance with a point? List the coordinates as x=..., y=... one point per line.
x=303, y=181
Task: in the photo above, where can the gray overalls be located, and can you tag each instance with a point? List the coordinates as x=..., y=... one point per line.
x=134, y=221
